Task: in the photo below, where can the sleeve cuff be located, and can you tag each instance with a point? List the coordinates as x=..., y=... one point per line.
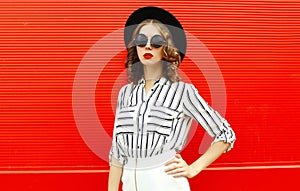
x=115, y=162
x=225, y=139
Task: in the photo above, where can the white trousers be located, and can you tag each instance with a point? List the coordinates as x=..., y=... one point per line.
x=152, y=179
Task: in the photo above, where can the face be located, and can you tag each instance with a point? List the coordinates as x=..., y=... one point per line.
x=150, y=55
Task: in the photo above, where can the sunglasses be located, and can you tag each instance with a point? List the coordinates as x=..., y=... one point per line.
x=156, y=41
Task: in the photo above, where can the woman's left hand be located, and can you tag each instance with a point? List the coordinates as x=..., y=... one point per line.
x=179, y=168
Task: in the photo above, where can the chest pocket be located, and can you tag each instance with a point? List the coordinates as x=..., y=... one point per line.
x=161, y=120
x=125, y=120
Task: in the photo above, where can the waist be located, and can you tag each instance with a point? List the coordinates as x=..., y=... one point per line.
x=149, y=162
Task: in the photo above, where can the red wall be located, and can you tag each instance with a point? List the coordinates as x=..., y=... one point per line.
x=255, y=44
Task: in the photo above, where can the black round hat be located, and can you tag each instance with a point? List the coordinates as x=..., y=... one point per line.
x=161, y=15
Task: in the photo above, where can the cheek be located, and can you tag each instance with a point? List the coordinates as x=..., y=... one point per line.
x=139, y=52
x=159, y=53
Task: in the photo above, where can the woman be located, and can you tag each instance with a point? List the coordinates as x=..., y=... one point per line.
x=155, y=111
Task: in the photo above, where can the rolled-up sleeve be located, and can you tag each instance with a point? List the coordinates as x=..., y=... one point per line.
x=212, y=122
x=116, y=156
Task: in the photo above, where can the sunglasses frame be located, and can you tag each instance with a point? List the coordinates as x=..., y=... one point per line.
x=157, y=44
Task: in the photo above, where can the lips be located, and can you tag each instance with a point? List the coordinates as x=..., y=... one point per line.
x=148, y=55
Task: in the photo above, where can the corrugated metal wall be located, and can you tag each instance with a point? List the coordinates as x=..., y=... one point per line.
x=42, y=44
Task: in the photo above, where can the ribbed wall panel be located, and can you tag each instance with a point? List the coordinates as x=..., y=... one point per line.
x=256, y=44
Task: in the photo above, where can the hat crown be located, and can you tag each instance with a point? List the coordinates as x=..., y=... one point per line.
x=164, y=17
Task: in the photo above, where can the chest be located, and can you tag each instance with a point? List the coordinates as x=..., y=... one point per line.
x=160, y=108
x=139, y=97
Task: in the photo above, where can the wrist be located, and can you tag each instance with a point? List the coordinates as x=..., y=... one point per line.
x=193, y=171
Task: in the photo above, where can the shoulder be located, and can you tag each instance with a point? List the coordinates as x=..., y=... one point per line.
x=126, y=88
x=189, y=89
x=184, y=88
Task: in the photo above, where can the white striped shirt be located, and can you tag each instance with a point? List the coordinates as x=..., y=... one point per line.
x=149, y=125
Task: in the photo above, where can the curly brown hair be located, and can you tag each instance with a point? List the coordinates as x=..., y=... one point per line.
x=171, y=57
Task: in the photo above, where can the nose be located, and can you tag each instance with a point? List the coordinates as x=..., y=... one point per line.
x=148, y=46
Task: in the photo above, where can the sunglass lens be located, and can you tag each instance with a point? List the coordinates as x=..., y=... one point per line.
x=141, y=40
x=157, y=41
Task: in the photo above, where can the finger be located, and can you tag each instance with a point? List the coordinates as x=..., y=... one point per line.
x=175, y=171
x=175, y=160
x=170, y=162
x=178, y=156
x=180, y=164
x=171, y=168
x=174, y=166
x=180, y=174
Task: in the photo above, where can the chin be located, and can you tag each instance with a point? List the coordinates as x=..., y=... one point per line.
x=149, y=62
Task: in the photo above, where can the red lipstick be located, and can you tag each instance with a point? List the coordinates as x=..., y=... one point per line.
x=148, y=55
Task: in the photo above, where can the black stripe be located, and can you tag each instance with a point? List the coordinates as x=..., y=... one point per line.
x=164, y=142
x=121, y=133
x=220, y=119
x=158, y=117
x=197, y=111
x=209, y=114
x=117, y=147
x=177, y=85
x=180, y=96
x=130, y=95
x=120, y=148
x=127, y=142
x=160, y=112
x=159, y=125
x=158, y=94
x=174, y=128
x=122, y=98
x=141, y=88
x=146, y=144
x=124, y=125
x=193, y=116
x=155, y=145
x=183, y=123
x=165, y=96
x=132, y=145
x=124, y=118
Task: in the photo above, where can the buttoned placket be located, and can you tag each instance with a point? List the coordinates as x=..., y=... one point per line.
x=142, y=112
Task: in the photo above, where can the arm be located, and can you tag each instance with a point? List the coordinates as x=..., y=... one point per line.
x=115, y=174
x=178, y=167
x=212, y=153
x=116, y=168
x=194, y=106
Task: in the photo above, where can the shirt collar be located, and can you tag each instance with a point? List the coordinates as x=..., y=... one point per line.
x=161, y=81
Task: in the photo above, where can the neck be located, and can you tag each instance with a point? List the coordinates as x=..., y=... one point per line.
x=152, y=73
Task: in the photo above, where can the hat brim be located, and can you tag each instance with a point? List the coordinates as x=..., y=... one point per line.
x=164, y=17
